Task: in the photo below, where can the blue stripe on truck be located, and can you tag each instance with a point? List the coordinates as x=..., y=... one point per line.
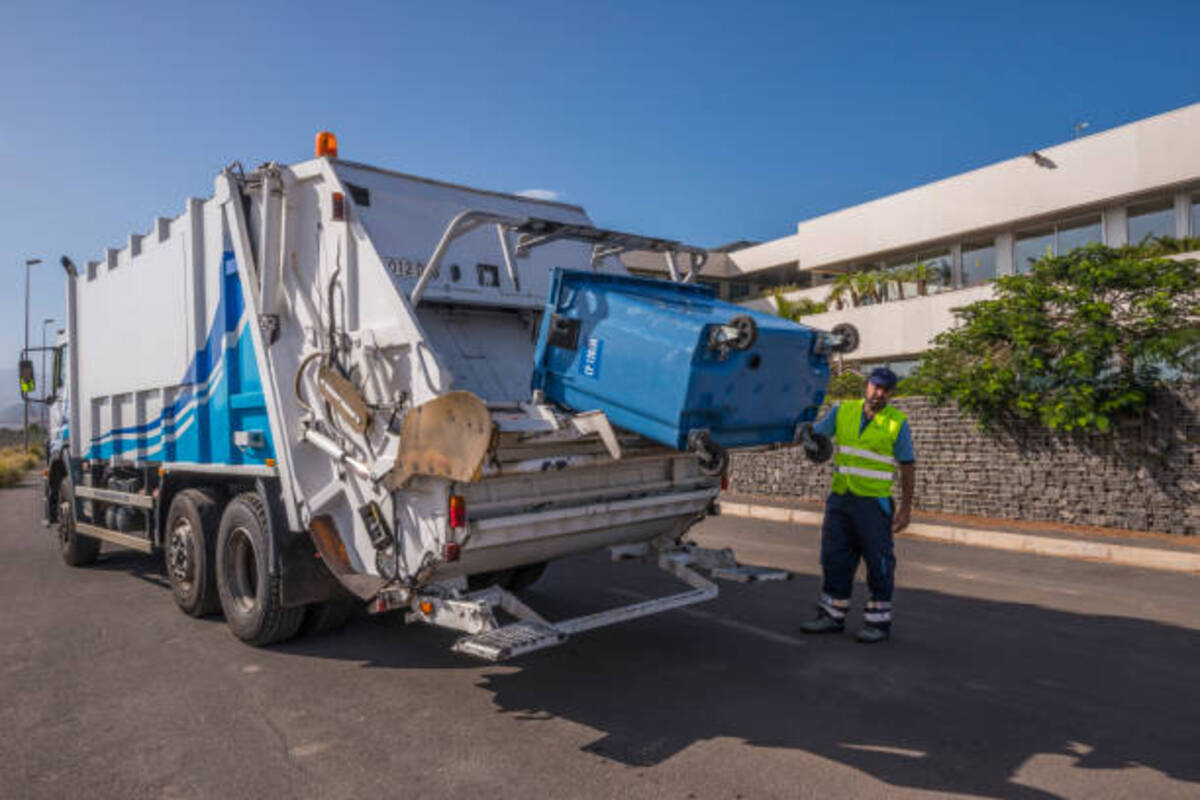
x=198, y=426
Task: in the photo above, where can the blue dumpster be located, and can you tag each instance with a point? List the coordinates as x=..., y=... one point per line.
x=670, y=361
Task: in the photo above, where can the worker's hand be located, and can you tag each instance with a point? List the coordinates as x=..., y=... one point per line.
x=817, y=448
x=901, y=520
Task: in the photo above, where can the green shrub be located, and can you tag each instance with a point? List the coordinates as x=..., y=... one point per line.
x=14, y=463
x=1081, y=341
x=795, y=309
x=849, y=384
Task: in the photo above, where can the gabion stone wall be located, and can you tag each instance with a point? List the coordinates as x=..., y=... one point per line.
x=1146, y=477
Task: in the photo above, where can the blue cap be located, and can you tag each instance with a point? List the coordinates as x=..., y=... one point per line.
x=884, y=378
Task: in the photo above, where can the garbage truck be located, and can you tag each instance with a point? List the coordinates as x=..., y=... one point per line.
x=331, y=385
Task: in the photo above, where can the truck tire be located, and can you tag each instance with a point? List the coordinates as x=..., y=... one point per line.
x=249, y=594
x=327, y=617
x=525, y=576
x=515, y=579
x=77, y=550
x=189, y=551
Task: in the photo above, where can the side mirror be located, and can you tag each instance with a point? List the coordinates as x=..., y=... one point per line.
x=28, y=379
x=25, y=371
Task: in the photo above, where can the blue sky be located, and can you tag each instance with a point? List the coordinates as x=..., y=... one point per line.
x=702, y=121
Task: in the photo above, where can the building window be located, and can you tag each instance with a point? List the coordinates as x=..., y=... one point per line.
x=1195, y=229
x=902, y=367
x=1151, y=220
x=914, y=275
x=738, y=290
x=937, y=272
x=1030, y=246
x=1055, y=240
x=1077, y=233
x=978, y=262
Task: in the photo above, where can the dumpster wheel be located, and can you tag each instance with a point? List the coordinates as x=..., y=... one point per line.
x=845, y=337
x=713, y=458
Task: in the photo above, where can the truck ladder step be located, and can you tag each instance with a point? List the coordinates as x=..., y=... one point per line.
x=747, y=574
x=510, y=640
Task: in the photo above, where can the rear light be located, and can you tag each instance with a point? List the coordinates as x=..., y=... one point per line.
x=339, y=206
x=451, y=551
x=326, y=144
x=724, y=481
x=458, y=511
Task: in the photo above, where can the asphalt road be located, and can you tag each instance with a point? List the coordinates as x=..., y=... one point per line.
x=1009, y=676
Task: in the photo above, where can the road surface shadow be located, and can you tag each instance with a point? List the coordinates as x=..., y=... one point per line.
x=149, y=568
x=967, y=692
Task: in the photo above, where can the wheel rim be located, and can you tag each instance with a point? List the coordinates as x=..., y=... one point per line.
x=181, y=554
x=243, y=570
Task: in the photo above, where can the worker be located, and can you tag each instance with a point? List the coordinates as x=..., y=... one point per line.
x=871, y=439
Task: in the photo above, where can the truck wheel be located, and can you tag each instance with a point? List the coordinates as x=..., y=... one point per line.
x=327, y=617
x=525, y=576
x=482, y=580
x=190, y=551
x=77, y=550
x=513, y=580
x=249, y=594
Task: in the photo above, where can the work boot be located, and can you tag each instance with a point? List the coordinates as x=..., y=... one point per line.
x=823, y=624
x=871, y=635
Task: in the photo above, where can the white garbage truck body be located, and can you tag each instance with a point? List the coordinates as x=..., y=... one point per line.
x=341, y=355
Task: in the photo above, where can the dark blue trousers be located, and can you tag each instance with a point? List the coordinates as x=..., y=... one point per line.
x=857, y=528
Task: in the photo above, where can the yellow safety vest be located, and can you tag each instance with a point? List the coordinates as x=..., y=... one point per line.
x=864, y=464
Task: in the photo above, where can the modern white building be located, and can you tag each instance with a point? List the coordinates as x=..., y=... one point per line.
x=1118, y=186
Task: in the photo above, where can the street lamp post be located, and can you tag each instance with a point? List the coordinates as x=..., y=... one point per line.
x=29, y=262
x=45, y=383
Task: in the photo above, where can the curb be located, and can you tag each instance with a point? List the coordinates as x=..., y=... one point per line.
x=1124, y=555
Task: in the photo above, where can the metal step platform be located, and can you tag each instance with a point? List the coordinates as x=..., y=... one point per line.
x=473, y=613
x=509, y=641
x=750, y=574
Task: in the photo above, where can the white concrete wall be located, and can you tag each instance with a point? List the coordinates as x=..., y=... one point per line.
x=901, y=328
x=1150, y=154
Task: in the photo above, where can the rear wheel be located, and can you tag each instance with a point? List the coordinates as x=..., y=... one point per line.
x=515, y=579
x=249, y=593
x=525, y=576
x=329, y=616
x=77, y=550
x=190, y=551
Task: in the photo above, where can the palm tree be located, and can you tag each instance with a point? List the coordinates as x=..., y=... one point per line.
x=795, y=309
x=843, y=287
x=867, y=284
x=783, y=307
x=923, y=273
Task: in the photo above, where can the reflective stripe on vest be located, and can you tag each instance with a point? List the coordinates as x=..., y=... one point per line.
x=866, y=473
x=863, y=462
x=858, y=451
